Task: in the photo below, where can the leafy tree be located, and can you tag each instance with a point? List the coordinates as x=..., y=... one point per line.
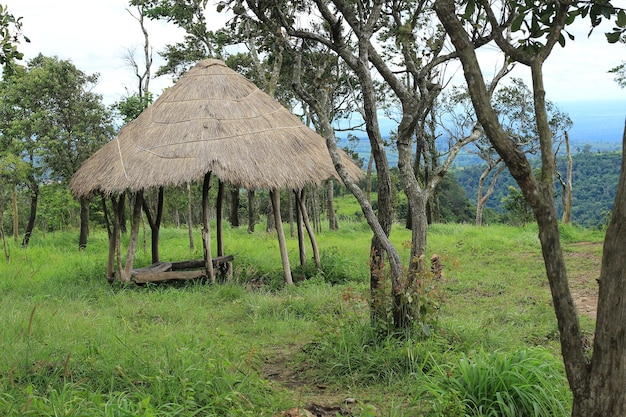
x=10, y=36
x=378, y=41
x=516, y=205
x=199, y=43
x=597, y=383
x=514, y=105
x=53, y=120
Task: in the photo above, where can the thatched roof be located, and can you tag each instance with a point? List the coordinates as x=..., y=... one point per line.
x=212, y=119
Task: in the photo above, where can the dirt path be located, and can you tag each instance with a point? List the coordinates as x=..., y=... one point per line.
x=583, y=263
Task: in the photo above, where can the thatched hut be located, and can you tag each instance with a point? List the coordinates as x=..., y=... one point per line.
x=212, y=121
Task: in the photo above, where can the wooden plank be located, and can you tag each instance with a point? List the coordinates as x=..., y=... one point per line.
x=223, y=259
x=199, y=263
x=157, y=267
x=194, y=263
x=143, y=278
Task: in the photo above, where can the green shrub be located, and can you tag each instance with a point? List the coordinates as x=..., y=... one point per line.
x=524, y=382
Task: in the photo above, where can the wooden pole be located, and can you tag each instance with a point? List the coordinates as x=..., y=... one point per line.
x=114, y=240
x=134, y=234
x=111, y=234
x=300, y=228
x=275, y=197
x=219, y=208
x=301, y=202
x=206, y=228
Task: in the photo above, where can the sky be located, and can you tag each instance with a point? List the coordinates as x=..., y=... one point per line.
x=96, y=35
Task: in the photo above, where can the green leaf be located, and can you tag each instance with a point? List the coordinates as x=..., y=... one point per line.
x=517, y=23
x=469, y=9
x=621, y=18
x=607, y=11
x=613, y=37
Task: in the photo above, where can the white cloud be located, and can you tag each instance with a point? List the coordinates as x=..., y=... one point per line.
x=95, y=35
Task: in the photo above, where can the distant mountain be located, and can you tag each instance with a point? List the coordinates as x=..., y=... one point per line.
x=598, y=126
x=594, y=179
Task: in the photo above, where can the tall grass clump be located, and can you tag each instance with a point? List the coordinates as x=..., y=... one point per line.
x=524, y=382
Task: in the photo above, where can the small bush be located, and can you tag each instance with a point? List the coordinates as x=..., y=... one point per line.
x=524, y=382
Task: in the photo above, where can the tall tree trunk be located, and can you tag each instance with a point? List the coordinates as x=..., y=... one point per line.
x=368, y=177
x=84, y=223
x=567, y=186
x=34, y=197
x=598, y=388
x=2, y=234
x=330, y=205
x=606, y=395
x=481, y=199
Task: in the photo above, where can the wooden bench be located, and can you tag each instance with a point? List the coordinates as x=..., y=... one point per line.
x=182, y=270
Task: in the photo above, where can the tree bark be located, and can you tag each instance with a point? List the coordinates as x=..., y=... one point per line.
x=567, y=187
x=481, y=199
x=606, y=395
x=84, y=223
x=599, y=387
x=34, y=197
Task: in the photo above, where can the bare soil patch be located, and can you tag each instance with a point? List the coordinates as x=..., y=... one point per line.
x=583, y=262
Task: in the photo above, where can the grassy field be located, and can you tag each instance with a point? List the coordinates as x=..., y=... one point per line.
x=75, y=345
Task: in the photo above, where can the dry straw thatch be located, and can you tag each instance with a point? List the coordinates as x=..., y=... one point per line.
x=211, y=120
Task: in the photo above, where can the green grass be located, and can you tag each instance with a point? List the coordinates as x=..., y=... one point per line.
x=75, y=345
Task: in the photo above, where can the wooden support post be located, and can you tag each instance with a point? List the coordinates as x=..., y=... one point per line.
x=155, y=224
x=206, y=227
x=115, y=255
x=113, y=239
x=134, y=233
x=219, y=208
x=301, y=202
x=275, y=197
x=300, y=228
